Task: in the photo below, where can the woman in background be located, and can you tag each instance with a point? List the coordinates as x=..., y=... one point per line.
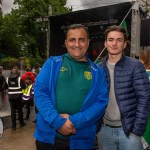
x=145, y=59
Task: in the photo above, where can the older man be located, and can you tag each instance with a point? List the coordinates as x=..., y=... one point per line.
x=71, y=96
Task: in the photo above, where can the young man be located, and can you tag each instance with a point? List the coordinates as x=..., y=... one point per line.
x=71, y=96
x=126, y=115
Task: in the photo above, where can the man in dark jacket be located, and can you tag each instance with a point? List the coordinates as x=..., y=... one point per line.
x=3, y=85
x=2, y=80
x=126, y=115
x=15, y=86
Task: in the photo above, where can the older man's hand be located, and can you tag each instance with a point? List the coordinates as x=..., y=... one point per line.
x=67, y=127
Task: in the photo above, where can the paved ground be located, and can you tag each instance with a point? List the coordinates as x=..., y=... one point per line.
x=21, y=138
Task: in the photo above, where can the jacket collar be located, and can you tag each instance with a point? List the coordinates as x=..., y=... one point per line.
x=60, y=58
x=120, y=61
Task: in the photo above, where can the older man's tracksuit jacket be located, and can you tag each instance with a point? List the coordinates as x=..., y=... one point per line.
x=85, y=122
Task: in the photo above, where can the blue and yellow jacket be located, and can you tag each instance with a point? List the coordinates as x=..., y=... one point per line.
x=85, y=122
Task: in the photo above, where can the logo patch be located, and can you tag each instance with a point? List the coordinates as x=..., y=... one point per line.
x=88, y=75
x=62, y=69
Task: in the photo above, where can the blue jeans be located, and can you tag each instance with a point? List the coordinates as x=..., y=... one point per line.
x=115, y=139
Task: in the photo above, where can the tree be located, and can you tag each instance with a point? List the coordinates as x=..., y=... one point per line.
x=0, y=7
x=9, y=31
x=19, y=29
x=32, y=10
x=1, y=20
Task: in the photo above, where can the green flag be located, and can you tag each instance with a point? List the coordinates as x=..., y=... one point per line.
x=97, y=61
x=124, y=25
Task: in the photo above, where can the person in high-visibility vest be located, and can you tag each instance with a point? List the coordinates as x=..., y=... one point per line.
x=27, y=96
x=15, y=87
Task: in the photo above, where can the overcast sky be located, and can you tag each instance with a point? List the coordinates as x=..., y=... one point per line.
x=76, y=4
x=7, y=5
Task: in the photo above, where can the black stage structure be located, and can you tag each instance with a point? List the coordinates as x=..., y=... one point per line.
x=96, y=19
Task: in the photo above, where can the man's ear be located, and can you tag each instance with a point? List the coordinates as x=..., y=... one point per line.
x=65, y=43
x=89, y=42
x=125, y=44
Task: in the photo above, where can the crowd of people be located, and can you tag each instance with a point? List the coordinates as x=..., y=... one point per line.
x=79, y=101
x=20, y=94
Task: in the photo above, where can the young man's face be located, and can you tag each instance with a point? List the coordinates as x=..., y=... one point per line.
x=77, y=43
x=115, y=43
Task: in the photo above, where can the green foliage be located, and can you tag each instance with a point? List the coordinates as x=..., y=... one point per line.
x=27, y=62
x=34, y=62
x=19, y=29
x=9, y=62
x=37, y=62
x=1, y=20
x=9, y=32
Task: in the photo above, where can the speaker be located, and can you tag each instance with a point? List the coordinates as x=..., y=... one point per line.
x=145, y=33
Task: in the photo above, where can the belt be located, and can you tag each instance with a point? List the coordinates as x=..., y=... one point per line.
x=112, y=126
